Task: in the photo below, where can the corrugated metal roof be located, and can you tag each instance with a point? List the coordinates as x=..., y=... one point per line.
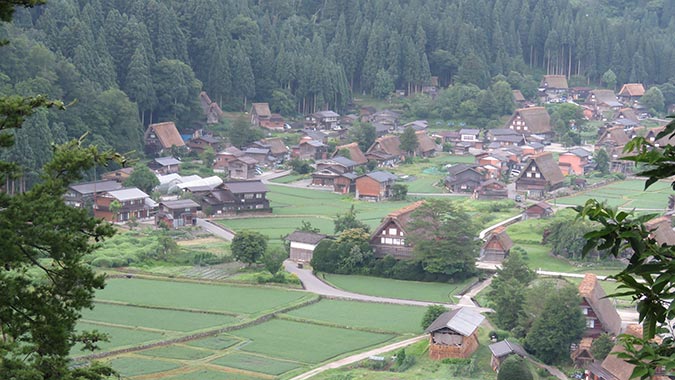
x=463, y=321
x=128, y=194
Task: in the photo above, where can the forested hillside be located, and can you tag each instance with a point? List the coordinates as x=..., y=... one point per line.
x=129, y=62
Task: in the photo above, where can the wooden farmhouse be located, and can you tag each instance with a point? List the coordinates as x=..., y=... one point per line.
x=386, y=150
x=224, y=157
x=518, y=98
x=388, y=239
x=491, y=189
x=133, y=202
x=119, y=175
x=165, y=165
x=178, y=213
x=502, y=350
x=540, y=175
x=211, y=109
x=354, y=153
x=582, y=355
x=631, y=92
x=309, y=149
x=463, y=178
x=323, y=120
x=615, y=368
x=661, y=230
x=81, y=195
x=341, y=182
x=453, y=334
x=602, y=101
x=235, y=197
x=375, y=186
x=303, y=244
x=601, y=315
x=613, y=140
x=531, y=121
x=426, y=147
x=554, y=86
x=537, y=211
x=200, y=143
x=497, y=246
x=276, y=146
x=162, y=136
x=242, y=167
x=260, y=113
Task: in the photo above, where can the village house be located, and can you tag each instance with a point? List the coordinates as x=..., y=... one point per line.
x=554, y=86
x=574, y=162
x=601, y=315
x=386, y=151
x=538, y=210
x=211, y=109
x=302, y=245
x=661, y=230
x=375, y=185
x=277, y=147
x=616, y=368
x=426, y=147
x=353, y=152
x=472, y=136
x=261, y=155
x=540, y=175
x=338, y=163
x=133, y=203
x=531, y=121
x=343, y=183
x=243, y=167
x=82, y=195
x=491, y=189
x=504, y=137
x=663, y=141
x=200, y=143
x=453, y=334
x=464, y=178
x=497, y=246
x=518, y=98
x=309, y=149
x=446, y=136
x=260, y=113
x=326, y=120
x=631, y=93
x=613, y=141
x=234, y=197
x=162, y=136
x=581, y=354
x=224, y=157
x=531, y=148
x=315, y=135
x=119, y=175
x=388, y=239
x=386, y=117
x=502, y=350
x=602, y=102
x=178, y=213
x=165, y=165
x=627, y=114
x=417, y=125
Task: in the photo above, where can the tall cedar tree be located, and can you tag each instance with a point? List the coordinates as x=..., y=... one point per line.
x=409, y=141
x=507, y=292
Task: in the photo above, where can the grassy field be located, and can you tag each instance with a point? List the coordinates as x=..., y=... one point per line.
x=364, y=315
x=214, y=342
x=223, y=298
x=177, y=352
x=119, y=337
x=131, y=366
x=384, y=287
x=207, y=374
x=627, y=194
x=304, y=342
x=256, y=363
x=157, y=319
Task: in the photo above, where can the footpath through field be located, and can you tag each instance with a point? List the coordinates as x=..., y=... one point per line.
x=313, y=284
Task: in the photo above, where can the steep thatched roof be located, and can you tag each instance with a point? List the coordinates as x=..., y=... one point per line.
x=536, y=119
x=592, y=292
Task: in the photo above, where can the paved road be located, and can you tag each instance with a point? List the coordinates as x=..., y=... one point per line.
x=358, y=357
x=215, y=229
x=313, y=284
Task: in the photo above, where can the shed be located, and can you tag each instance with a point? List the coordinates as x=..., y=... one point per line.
x=453, y=334
x=303, y=244
x=502, y=350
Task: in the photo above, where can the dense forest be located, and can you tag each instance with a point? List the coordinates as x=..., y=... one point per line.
x=131, y=62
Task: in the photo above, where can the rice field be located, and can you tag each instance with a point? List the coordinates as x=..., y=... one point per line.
x=629, y=194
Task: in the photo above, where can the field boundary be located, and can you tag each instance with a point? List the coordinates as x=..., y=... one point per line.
x=167, y=308
x=291, y=318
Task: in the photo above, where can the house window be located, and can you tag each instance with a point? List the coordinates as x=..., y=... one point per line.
x=533, y=169
x=388, y=241
x=392, y=231
x=258, y=195
x=590, y=323
x=187, y=209
x=529, y=175
x=537, y=175
x=584, y=310
x=248, y=196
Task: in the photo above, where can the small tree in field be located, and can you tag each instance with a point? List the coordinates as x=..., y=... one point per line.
x=514, y=368
x=433, y=312
x=248, y=246
x=274, y=259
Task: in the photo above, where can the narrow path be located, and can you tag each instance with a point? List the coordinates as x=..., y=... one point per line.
x=359, y=357
x=313, y=284
x=508, y=221
x=215, y=229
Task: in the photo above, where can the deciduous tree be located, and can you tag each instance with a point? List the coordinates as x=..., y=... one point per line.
x=143, y=178
x=248, y=246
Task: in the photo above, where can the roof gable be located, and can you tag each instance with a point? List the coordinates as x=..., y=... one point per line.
x=463, y=321
x=166, y=133
x=387, y=144
x=632, y=89
x=400, y=217
x=592, y=292
x=536, y=119
x=555, y=81
x=355, y=153
x=547, y=166
x=261, y=109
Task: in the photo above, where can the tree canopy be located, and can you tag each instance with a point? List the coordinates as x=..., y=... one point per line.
x=249, y=246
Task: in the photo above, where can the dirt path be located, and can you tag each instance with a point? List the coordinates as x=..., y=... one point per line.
x=359, y=357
